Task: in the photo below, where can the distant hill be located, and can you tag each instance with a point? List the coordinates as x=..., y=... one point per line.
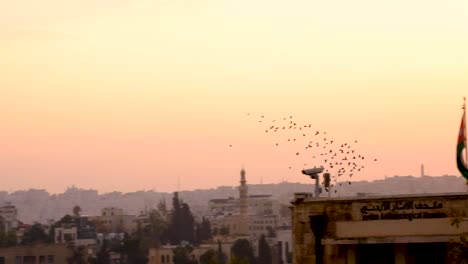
x=39, y=206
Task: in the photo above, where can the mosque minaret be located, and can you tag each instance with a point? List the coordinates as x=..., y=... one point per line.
x=243, y=223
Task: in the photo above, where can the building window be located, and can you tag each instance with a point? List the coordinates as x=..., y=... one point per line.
x=18, y=260
x=42, y=260
x=29, y=260
x=51, y=259
x=162, y=259
x=2, y=260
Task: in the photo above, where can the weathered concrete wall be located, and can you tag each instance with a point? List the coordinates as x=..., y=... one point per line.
x=417, y=218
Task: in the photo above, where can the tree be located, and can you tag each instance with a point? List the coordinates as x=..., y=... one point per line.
x=182, y=255
x=103, y=256
x=10, y=238
x=220, y=256
x=236, y=260
x=264, y=252
x=175, y=234
x=271, y=232
x=243, y=250
x=289, y=254
x=78, y=256
x=181, y=227
x=203, y=231
x=35, y=234
x=135, y=248
x=157, y=227
x=76, y=211
x=7, y=237
x=209, y=257
x=162, y=208
x=459, y=249
x=188, y=224
x=224, y=231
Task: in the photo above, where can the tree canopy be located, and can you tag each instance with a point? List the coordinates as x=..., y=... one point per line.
x=243, y=250
x=35, y=234
x=264, y=252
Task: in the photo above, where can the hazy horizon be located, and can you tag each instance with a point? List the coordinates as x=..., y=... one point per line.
x=128, y=95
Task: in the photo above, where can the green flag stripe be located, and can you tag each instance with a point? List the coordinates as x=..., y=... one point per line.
x=460, y=163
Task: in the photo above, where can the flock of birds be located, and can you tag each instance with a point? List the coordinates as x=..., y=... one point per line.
x=340, y=159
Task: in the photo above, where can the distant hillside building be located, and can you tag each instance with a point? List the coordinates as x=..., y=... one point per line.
x=79, y=230
x=165, y=254
x=9, y=215
x=114, y=220
x=50, y=254
x=377, y=229
x=248, y=215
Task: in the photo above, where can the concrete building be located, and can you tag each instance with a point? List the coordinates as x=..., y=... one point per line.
x=165, y=254
x=78, y=230
x=114, y=220
x=9, y=214
x=262, y=205
x=283, y=243
x=65, y=234
x=377, y=229
x=37, y=254
x=249, y=215
x=223, y=206
x=265, y=225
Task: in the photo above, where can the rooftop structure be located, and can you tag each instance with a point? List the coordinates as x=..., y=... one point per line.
x=377, y=229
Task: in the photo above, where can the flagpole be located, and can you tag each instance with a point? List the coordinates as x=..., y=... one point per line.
x=464, y=130
x=464, y=133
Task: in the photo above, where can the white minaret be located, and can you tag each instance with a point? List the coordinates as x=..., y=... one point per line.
x=243, y=223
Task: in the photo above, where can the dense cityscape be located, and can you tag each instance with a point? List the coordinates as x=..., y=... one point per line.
x=251, y=221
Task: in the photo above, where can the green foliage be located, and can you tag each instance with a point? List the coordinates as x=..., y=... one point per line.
x=243, y=250
x=264, y=251
x=66, y=219
x=156, y=229
x=456, y=221
x=224, y=231
x=459, y=251
x=181, y=227
x=78, y=256
x=220, y=256
x=7, y=238
x=76, y=210
x=35, y=234
x=182, y=255
x=236, y=260
x=209, y=257
x=136, y=249
x=136, y=245
x=103, y=256
x=203, y=231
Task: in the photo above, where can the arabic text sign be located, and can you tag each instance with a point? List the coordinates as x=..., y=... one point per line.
x=406, y=209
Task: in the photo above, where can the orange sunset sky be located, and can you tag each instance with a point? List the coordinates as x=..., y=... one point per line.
x=131, y=94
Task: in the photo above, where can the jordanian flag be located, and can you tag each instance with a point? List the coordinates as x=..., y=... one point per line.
x=461, y=145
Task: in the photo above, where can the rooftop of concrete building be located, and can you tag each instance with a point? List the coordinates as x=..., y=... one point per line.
x=309, y=197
